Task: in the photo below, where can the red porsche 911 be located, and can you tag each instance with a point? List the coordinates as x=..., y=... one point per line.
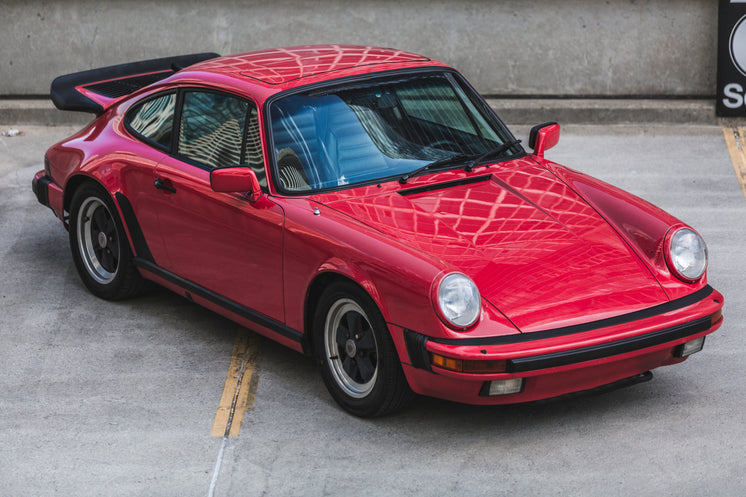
x=366, y=206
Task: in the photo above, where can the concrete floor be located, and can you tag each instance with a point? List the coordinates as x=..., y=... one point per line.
x=100, y=398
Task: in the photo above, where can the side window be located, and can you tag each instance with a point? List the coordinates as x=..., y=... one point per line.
x=154, y=119
x=212, y=128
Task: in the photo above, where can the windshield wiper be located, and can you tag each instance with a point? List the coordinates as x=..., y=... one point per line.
x=492, y=153
x=447, y=161
x=472, y=159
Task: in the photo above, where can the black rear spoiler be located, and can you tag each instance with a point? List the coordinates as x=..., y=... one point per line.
x=96, y=89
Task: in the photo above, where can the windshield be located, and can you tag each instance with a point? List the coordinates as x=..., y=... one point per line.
x=378, y=129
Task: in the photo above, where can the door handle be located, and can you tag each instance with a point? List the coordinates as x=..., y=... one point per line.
x=161, y=184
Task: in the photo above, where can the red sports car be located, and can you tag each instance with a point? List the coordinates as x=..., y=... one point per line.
x=366, y=206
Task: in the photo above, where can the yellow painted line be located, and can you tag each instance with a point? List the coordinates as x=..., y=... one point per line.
x=239, y=391
x=735, y=138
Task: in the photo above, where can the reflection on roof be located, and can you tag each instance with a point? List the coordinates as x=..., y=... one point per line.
x=281, y=65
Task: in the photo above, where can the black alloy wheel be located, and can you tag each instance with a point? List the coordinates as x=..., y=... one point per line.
x=100, y=250
x=357, y=357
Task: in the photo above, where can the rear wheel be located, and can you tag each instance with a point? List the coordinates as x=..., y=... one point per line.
x=358, y=360
x=99, y=247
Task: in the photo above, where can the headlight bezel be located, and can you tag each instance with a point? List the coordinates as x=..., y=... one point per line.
x=673, y=240
x=439, y=289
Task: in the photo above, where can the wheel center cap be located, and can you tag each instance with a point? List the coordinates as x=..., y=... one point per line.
x=102, y=240
x=351, y=348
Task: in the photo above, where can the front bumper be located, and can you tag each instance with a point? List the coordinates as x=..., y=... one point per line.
x=564, y=360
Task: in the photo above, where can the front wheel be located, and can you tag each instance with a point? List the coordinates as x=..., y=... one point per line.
x=357, y=357
x=99, y=247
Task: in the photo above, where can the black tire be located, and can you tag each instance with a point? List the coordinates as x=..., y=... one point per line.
x=100, y=247
x=356, y=354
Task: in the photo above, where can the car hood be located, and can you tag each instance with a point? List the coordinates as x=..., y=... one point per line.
x=535, y=249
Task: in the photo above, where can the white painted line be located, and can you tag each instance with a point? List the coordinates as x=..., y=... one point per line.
x=216, y=470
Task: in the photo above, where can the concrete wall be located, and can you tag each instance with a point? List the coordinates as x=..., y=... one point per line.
x=525, y=48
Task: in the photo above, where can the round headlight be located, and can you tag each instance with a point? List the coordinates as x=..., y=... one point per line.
x=687, y=254
x=459, y=300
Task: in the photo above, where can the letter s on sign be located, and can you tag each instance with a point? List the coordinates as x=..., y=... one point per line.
x=734, y=95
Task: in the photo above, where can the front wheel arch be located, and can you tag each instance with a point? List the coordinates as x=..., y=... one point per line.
x=320, y=283
x=365, y=377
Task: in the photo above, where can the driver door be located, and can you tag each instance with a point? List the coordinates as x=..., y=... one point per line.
x=221, y=242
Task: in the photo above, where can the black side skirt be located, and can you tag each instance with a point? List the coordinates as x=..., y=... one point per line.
x=221, y=301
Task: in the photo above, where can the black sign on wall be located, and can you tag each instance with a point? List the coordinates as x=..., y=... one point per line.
x=731, y=95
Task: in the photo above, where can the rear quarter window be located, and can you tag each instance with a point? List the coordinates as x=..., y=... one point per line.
x=153, y=120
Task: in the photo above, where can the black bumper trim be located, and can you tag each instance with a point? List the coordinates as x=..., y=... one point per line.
x=532, y=363
x=418, y=355
x=40, y=187
x=417, y=343
x=417, y=348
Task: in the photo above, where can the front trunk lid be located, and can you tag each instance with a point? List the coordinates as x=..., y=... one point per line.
x=534, y=248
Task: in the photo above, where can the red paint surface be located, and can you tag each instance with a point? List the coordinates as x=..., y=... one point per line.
x=547, y=247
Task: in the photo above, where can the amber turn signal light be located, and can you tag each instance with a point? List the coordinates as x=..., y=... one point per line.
x=467, y=366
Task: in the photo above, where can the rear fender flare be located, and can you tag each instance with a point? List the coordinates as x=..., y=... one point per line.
x=133, y=232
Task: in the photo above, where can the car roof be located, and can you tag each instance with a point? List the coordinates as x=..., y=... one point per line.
x=287, y=67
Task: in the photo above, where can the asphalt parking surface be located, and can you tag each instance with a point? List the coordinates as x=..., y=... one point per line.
x=100, y=398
